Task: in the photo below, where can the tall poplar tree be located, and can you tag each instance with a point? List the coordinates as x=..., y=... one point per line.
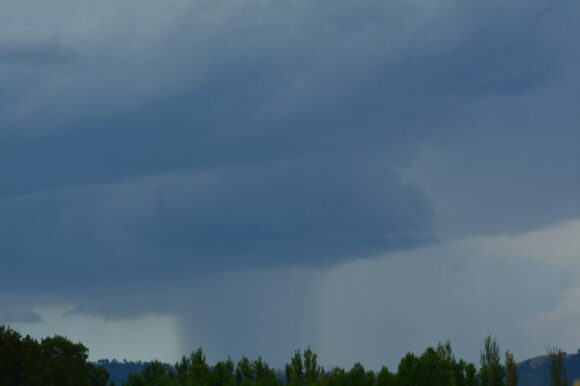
x=491, y=372
x=511, y=369
x=557, y=370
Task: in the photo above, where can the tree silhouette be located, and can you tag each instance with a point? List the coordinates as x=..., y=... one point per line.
x=557, y=371
x=491, y=372
x=511, y=369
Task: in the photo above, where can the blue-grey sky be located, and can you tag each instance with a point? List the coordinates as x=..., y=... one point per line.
x=364, y=177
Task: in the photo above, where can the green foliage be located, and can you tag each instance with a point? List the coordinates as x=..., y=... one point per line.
x=435, y=367
x=193, y=370
x=407, y=372
x=557, y=371
x=335, y=377
x=12, y=357
x=68, y=362
x=385, y=377
x=135, y=380
x=491, y=372
x=433, y=370
x=222, y=374
x=303, y=369
x=54, y=361
x=295, y=370
x=263, y=374
x=511, y=369
x=460, y=373
x=470, y=375
x=357, y=376
x=256, y=373
x=312, y=370
x=244, y=373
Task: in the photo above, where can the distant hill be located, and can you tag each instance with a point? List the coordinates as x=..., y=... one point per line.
x=532, y=372
x=120, y=370
x=536, y=371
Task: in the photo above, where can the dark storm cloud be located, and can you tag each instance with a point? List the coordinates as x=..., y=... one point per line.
x=273, y=133
x=264, y=96
x=311, y=211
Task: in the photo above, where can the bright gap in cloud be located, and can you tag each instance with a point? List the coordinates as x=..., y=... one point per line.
x=144, y=338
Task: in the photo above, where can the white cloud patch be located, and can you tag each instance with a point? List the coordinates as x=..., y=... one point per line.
x=144, y=338
x=559, y=325
x=521, y=289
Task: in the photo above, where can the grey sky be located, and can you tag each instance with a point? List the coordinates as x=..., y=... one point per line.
x=291, y=163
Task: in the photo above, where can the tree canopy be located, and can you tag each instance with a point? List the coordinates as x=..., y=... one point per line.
x=54, y=361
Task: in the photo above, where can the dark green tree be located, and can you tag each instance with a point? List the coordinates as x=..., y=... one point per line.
x=357, y=376
x=244, y=372
x=193, y=370
x=407, y=370
x=470, y=375
x=12, y=361
x=65, y=363
x=256, y=373
x=511, y=369
x=435, y=368
x=134, y=380
x=312, y=371
x=557, y=370
x=222, y=374
x=461, y=373
x=385, y=377
x=157, y=374
x=295, y=370
x=491, y=372
x=264, y=375
x=98, y=376
x=335, y=377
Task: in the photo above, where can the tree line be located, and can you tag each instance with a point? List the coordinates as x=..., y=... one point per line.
x=57, y=361
x=52, y=361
